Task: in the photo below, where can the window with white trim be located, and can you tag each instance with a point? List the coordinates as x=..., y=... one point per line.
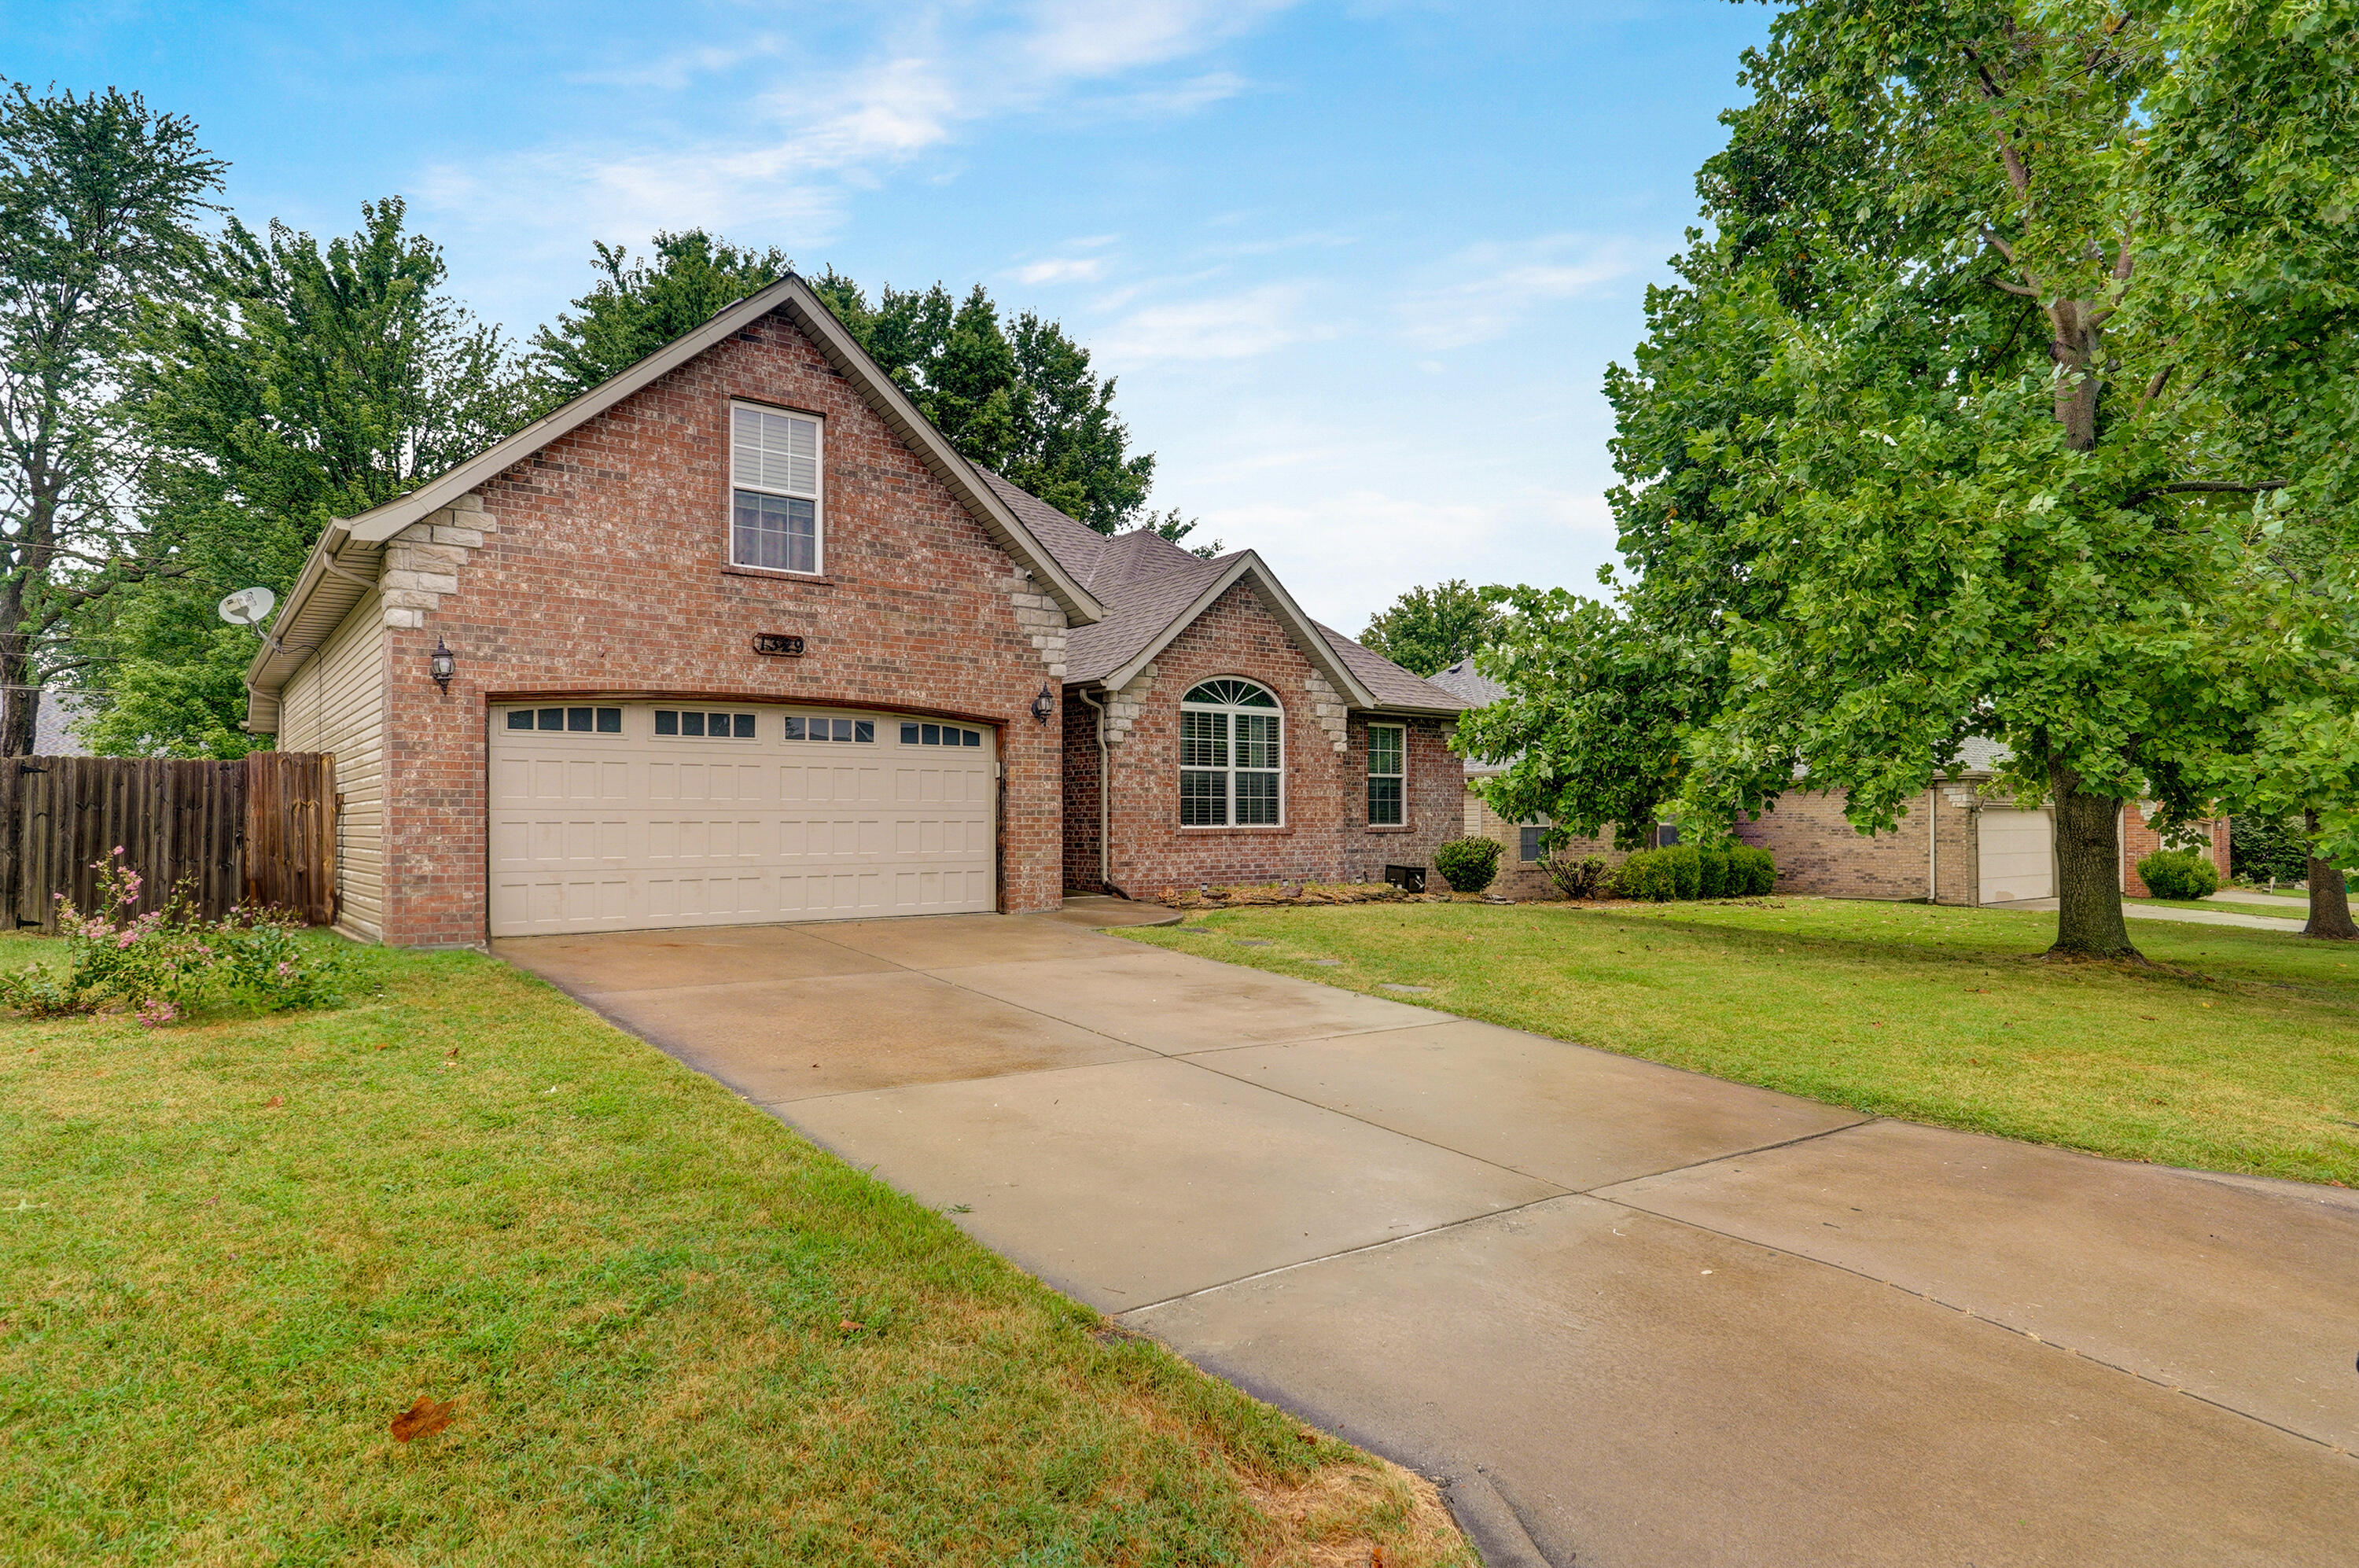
x=774, y=498
x=1231, y=756
x=1387, y=773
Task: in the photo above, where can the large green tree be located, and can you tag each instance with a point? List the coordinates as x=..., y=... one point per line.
x=99, y=202
x=307, y=381
x=1429, y=629
x=1017, y=395
x=1930, y=440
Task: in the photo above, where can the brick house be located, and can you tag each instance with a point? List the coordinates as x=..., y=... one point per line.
x=737, y=637
x=1962, y=845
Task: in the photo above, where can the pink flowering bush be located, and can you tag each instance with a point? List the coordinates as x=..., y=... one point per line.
x=158, y=965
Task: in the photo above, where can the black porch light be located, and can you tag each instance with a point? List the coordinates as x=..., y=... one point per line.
x=1044, y=704
x=443, y=664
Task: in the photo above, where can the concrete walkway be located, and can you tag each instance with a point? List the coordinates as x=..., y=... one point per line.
x=2191, y=916
x=1629, y=1315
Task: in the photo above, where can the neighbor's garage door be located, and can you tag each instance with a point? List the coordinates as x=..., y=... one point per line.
x=620, y=816
x=2019, y=855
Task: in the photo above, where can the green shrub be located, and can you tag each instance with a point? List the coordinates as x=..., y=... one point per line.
x=2179, y=874
x=1468, y=864
x=1646, y=875
x=1751, y=871
x=1687, y=868
x=1576, y=877
x=1712, y=873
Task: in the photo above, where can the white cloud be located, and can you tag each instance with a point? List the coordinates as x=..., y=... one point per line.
x=1063, y=269
x=1349, y=553
x=1234, y=326
x=1096, y=38
x=1496, y=286
x=801, y=153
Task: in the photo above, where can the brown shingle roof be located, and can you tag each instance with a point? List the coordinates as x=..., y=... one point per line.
x=1146, y=583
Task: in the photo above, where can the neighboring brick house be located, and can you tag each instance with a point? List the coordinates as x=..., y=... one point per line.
x=737, y=636
x=1523, y=848
x=1983, y=849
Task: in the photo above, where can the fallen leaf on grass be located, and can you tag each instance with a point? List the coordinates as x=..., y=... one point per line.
x=849, y=1326
x=274, y=1100
x=428, y=1416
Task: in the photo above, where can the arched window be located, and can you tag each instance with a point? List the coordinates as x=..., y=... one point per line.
x=1231, y=756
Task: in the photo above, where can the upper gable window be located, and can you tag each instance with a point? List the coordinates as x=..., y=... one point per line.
x=774, y=502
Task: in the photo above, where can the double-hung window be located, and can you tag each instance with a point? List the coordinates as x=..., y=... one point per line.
x=1231, y=756
x=774, y=498
x=1388, y=771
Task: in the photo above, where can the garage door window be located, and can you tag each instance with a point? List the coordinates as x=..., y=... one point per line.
x=860, y=731
x=580, y=721
x=939, y=735
x=704, y=726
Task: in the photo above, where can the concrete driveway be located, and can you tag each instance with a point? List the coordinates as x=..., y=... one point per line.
x=1628, y=1314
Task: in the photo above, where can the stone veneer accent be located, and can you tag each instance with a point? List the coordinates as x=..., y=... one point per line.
x=421, y=562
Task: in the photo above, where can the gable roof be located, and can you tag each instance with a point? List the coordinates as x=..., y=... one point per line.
x=1153, y=590
x=790, y=295
x=1463, y=680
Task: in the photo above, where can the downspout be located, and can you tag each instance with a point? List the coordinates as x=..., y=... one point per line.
x=1105, y=794
x=1932, y=846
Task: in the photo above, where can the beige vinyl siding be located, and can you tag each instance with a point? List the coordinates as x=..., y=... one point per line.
x=335, y=701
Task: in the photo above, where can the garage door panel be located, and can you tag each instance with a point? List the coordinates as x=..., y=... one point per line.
x=622, y=830
x=2017, y=856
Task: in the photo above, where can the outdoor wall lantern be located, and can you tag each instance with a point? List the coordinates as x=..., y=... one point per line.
x=443, y=664
x=1044, y=704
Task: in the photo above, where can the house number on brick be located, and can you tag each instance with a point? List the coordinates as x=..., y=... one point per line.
x=779, y=644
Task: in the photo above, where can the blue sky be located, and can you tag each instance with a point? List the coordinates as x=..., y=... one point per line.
x=1360, y=267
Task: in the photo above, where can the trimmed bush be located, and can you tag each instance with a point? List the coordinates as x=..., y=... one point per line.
x=1468, y=864
x=1712, y=873
x=1582, y=876
x=1687, y=868
x=1751, y=871
x=1646, y=875
x=2179, y=874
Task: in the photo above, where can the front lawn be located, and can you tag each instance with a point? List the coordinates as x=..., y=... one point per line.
x=673, y=1331
x=2240, y=1052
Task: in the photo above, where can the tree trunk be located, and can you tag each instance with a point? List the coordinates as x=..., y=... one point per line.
x=2079, y=347
x=19, y=702
x=2089, y=922
x=2329, y=899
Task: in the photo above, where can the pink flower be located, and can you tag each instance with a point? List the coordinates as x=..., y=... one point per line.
x=156, y=1012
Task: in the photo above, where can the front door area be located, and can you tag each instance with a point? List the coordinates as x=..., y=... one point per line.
x=612, y=815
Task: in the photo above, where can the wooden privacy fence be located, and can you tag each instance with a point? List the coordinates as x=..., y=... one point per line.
x=259, y=832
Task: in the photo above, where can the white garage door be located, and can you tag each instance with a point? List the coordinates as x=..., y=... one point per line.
x=621, y=816
x=2019, y=855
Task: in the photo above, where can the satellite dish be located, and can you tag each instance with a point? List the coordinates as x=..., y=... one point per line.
x=249, y=606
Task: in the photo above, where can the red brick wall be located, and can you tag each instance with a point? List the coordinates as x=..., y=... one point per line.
x=606, y=574
x=1325, y=838
x=1518, y=877
x=1081, y=796
x=1818, y=850
x=2140, y=840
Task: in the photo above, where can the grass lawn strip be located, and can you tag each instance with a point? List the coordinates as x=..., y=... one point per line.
x=675, y=1332
x=2240, y=1052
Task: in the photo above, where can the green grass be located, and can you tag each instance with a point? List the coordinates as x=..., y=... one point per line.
x=2238, y=1051
x=676, y=1333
